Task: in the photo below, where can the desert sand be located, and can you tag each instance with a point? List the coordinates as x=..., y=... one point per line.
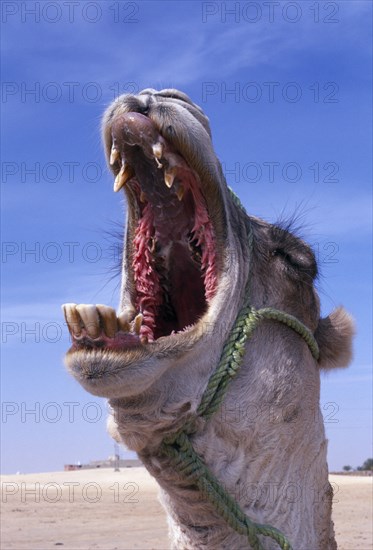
x=107, y=510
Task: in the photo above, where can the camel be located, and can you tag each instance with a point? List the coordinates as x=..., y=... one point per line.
x=192, y=258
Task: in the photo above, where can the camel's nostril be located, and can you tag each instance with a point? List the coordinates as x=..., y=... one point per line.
x=186, y=407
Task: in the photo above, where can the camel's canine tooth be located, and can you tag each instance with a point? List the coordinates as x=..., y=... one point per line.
x=169, y=177
x=114, y=155
x=124, y=175
x=137, y=323
x=157, y=150
x=180, y=192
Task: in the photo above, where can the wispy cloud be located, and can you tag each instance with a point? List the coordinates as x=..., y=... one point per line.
x=350, y=218
x=183, y=50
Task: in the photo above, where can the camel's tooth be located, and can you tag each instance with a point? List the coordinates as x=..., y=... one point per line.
x=72, y=319
x=157, y=150
x=119, y=181
x=169, y=179
x=124, y=319
x=169, y=176
x=123, y=324
x=114, y=155
x=180, y=192
x=108, y=319
x=144, y=339
x=124, y=175
x=153, y=244
x=91, y=321
x=142, y=196
x=137, y=323
x=130, y=311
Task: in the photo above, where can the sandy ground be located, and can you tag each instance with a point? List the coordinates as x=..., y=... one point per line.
x=106, y=510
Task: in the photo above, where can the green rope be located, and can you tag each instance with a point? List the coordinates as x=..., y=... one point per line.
x=184, y=459
x=178, y=447
x=295, y=324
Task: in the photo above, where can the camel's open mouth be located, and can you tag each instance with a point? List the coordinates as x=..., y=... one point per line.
x=170, y=266
x=171, y=248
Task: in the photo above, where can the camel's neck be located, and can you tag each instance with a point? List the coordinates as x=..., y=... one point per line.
x=287, y=493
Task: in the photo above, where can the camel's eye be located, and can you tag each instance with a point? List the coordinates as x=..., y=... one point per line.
x=299, y=259
x=292, y=252
x=283, y=254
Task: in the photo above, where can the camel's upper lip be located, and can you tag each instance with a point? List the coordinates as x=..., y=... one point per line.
x=171, y=266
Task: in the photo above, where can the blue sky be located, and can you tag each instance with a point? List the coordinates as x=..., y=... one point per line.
x=287, y=88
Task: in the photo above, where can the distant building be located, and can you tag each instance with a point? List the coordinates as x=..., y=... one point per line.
x=113, y=462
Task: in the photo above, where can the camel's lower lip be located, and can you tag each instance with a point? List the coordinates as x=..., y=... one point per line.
x=170, y=257
x=97, y=327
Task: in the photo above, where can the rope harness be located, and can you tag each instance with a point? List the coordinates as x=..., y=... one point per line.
x=178, y=447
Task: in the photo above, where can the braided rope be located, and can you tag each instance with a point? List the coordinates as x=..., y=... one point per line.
x=184, y=459
x=178, y=447
x=295, y=324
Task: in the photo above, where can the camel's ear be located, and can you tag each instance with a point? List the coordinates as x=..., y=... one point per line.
x=334, y=335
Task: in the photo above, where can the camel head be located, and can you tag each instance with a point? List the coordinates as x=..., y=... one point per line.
x=185, y=260
x=189, y=250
